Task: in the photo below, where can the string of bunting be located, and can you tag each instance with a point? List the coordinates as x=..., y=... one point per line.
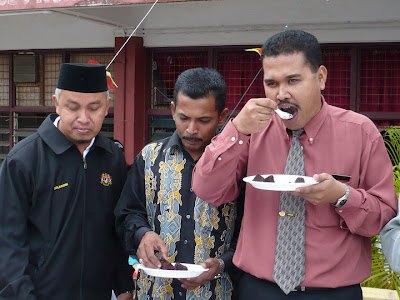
x=258, y=50
x=110, y=81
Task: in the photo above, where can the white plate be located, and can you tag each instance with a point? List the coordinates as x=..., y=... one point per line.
x=192, y=271
x=282, y=182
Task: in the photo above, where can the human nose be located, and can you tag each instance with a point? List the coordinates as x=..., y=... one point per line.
x=282, y=93
x=192, y=128
x=83, y=116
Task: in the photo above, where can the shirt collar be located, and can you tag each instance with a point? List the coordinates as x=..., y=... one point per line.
x=314, y=125
x=175, y=141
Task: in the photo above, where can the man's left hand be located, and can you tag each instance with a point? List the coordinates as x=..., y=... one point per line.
x=125, y=296
x=328, y=190
x=212, y=264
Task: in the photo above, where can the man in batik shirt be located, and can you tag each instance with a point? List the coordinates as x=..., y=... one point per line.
x=158, y=211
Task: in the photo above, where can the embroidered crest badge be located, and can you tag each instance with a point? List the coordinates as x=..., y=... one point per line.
x=106, y=179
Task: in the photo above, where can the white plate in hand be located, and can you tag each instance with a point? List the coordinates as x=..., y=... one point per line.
x=192, y=271
x=282, y=182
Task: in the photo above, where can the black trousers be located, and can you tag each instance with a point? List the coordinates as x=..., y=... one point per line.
x=254, y=288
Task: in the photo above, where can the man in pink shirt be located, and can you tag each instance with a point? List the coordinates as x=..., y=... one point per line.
x=341, y=215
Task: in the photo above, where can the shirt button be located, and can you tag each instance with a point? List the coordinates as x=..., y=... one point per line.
x=233, y=139
x=219, y=158
x=191, y=190
x=188, y=217
x=185, y=242
x=240, y=142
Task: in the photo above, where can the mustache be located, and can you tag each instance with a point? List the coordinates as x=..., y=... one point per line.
x=192, y=138
x=287, y=101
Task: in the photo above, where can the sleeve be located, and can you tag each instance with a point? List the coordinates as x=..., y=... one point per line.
x=228, y=255
x=217, y=176
x=123, y=281
x=15, y=195
x=373, y=202
x=390, y=240
x=130, y=212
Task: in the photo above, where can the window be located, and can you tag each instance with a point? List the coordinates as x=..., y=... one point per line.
x=25, y=105
x=364, y=78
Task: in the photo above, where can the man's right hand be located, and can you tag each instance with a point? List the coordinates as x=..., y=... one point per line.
x=255, y=115
x=150, y=243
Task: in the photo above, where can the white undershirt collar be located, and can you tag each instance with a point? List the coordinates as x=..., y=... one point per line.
x=86, y=151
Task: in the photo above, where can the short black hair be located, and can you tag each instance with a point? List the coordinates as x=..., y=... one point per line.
x=201, y=82
x=293, y=41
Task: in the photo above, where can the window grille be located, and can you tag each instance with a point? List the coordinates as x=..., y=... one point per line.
x=30, y=93
x=4, y=80
x=4, y=135
x=52, y=64
x=380, y=80
x=239, y=67
x=166, y=68
x=26, y=124
x=337, y=87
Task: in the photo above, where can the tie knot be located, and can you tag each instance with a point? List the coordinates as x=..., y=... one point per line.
x=298, y=132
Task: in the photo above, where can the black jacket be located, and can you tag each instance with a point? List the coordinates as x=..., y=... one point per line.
x=57, y=233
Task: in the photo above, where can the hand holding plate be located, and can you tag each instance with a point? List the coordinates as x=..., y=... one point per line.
x=328, y=190
x=213, y=265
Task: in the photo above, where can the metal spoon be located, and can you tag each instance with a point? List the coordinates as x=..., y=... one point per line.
x=283, y=115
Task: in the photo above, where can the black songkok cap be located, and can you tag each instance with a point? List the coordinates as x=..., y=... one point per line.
x=83, y=78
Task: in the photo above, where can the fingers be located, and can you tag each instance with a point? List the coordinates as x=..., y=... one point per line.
x=327, y=190
x=212, y=265
x=255, y=115
x=192, y=283
x=150, y=243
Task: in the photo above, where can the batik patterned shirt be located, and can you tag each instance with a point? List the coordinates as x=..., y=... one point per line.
x=158, y=197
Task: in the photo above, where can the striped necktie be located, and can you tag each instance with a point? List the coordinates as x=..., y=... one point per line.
x=290, y=238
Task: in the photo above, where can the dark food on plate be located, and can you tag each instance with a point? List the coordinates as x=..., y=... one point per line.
x=166, y=265
x=179, y=266
x=258, y=177
x=269, y=178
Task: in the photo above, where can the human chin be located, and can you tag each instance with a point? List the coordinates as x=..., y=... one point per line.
x=81, y=137
x=82, y=141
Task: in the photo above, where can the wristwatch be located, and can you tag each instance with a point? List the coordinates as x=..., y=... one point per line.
x=342, y=200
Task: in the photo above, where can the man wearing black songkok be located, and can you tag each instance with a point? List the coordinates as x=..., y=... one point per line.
x=59, y=188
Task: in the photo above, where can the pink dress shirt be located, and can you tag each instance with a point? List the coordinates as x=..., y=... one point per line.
x=336, y=141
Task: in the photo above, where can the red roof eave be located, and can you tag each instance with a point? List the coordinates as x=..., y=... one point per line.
x=11, y=5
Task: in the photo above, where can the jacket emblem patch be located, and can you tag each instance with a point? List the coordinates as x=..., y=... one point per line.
x=106, y=179
x=60, y=186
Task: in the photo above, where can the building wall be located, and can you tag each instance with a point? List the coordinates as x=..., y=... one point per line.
x=201, y=23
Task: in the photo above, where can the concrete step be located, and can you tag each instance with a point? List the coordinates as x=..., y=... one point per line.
x=379, y=294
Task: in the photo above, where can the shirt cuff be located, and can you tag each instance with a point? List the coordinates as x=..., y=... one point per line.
x=227, y=258
x=139, y=235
